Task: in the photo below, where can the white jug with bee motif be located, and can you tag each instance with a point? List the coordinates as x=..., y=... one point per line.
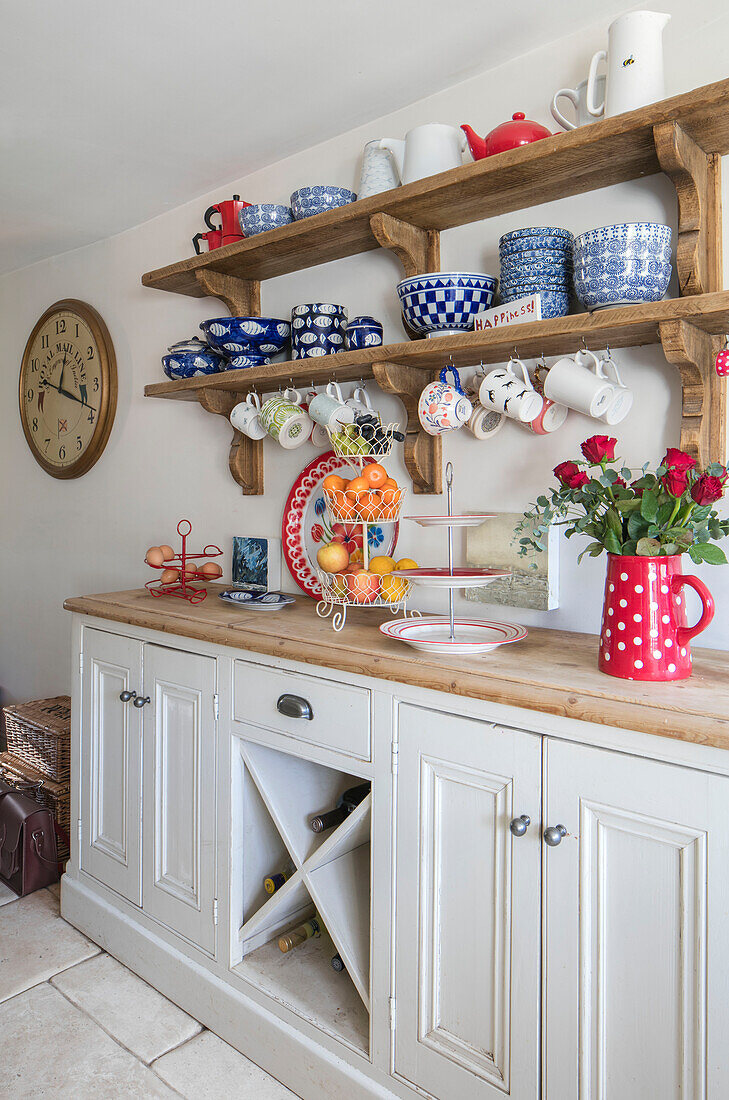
x=634, y=64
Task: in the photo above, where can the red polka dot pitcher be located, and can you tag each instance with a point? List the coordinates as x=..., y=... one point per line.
x=644, y=635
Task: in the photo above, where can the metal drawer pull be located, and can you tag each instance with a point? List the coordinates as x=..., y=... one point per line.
x=127, y=695
x=553, y=835
x=139, y=701
x=293, y=706
x=519, y=825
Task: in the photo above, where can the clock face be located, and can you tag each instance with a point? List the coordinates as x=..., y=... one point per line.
x=68, y=389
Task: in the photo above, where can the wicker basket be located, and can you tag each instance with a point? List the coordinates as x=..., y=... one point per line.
x=39, y=733
x=55, y=797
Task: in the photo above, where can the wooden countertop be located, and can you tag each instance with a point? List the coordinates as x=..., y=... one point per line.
x=551, y=671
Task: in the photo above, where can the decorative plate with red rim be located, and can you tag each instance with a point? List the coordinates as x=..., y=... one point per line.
x=444, y=577
x=432, y=635
x=307, y=525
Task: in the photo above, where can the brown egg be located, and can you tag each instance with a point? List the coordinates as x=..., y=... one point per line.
x=154, y=556
x=167, y=552
x=169, y=576
x=190, y=571
x=211, y=570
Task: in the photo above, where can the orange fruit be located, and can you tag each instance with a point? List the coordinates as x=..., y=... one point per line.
x=391, y=496
x=407, y=563
x=345, y=509
x=369, y=506
x=375, y=475
x=333, y=483
x=355, y=486
x=393, y=589
x=382, y=564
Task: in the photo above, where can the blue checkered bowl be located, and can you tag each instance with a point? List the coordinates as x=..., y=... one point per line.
x=263, y=216
x=308, y=201
x=445, y=301
x=554, y=303
x=247, y=335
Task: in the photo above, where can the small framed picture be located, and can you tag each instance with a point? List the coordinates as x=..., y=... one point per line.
x=256, y=564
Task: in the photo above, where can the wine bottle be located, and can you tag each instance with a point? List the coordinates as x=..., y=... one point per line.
x=299, y=935
x=349, y=801
x=337, y=962
x=274, y=882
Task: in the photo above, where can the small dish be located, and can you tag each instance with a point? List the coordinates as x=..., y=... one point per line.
x=442, y=577
x=452, y=521
x=256, y=601
x=472, y=636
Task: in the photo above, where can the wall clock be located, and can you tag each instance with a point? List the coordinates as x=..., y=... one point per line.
x=68, y=389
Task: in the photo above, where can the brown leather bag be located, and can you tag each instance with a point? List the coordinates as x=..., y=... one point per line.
x=28, y=857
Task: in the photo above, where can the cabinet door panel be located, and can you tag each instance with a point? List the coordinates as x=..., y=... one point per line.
x=467, y=950
x=630, y=914
x=179, y=784
x=111, y=781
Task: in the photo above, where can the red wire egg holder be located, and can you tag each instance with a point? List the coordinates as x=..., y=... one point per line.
x=182, y=588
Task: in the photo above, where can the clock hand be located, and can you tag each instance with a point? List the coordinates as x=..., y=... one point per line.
x=74, y=398
x=60, y=380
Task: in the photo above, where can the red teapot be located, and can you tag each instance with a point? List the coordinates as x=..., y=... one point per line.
x=509, y=135
x=229, y=224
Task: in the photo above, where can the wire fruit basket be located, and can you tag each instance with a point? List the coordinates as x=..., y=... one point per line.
x=184, y=568
x=366, y=506
x=369, y=441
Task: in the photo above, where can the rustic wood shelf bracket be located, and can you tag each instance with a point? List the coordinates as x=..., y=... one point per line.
x=246, y=455
x=241, y=296
x=696, y=175
x=703, y=412
x=418, y=250
x=423, y=452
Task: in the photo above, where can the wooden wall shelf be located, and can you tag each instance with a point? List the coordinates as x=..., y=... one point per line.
x=684, y=137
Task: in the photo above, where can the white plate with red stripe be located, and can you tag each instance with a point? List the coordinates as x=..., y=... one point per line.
x=459, y=577
x=452, y=521
x=432, y=634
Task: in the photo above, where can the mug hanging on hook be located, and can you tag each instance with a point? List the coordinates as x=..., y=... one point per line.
x=722, y=359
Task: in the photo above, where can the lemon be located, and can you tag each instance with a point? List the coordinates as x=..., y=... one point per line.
x=393, y=589
x=382, y=565
x=407, y=563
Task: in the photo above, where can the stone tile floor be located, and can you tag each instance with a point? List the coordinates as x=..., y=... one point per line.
x=75, y=1023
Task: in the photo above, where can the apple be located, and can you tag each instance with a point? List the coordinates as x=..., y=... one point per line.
x=363, y=586
x=333, y=558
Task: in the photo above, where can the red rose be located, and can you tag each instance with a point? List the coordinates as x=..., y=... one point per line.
x=637, y=489
x=675, y=481
x=570, y=474
x=619, y=481
x=598, y=449
x=708, y=489
x=678, y=460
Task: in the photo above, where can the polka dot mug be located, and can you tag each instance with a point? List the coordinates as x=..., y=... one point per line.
x=644, y=635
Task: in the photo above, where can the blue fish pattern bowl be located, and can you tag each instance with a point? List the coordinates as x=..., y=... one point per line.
x=247, y=335
x=190, y=357
x=261, y=217
x=308, y=201
x=442, y=302
x=240, y=362
x=363, y=332
x=622, y=264
x=317, y=328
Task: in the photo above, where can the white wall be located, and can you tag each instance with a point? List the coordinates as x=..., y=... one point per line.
x=166, y=460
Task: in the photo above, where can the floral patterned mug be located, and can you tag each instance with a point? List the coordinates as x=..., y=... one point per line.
x=442, y=407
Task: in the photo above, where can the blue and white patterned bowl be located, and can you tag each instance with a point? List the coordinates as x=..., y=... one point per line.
x=547, y=282
x=260, y=217
x=247, y=335
x=240, y=362
x=308, y=201
x=317, y=328
x=535, y=231
x=535, y=268
x=554, y=303
x=622, y=264
x=443, y=302
x=187, y=358
x=536, y=255
x=363, y=332
x=537, y=239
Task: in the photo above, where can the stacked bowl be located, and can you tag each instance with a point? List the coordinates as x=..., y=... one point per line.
x=537, y=260
x=246, y=341
x=619, y=265
x=440, y=303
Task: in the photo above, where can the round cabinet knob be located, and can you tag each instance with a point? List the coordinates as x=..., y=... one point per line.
x=139, y=701
x=127, y=695
x=553, y=835
x=519, y=825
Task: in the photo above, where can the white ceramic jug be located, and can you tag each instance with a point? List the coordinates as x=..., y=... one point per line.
x=426, y=151
x=378, y=171
x=578, y=98
x=634, y=64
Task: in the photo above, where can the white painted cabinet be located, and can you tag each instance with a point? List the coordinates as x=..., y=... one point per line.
x=111, y=763
x=468, y=904
x=636, y=901
x=179, y=793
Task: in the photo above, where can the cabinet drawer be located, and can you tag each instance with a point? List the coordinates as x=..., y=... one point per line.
x=340, y=713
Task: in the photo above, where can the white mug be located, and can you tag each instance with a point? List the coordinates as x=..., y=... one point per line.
x=329, y=410
x=550, y=418
x=360, y=402
x=285, y=420
x=505, y=391
x=578, y=98
x=319, y=434
x=245, y=417
x=484, y=423
x=583, y=388
x=622, y=401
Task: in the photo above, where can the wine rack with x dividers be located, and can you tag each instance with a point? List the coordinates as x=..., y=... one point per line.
x=684, y=137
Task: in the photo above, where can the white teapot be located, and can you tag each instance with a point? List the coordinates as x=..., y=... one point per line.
x=426, y=150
